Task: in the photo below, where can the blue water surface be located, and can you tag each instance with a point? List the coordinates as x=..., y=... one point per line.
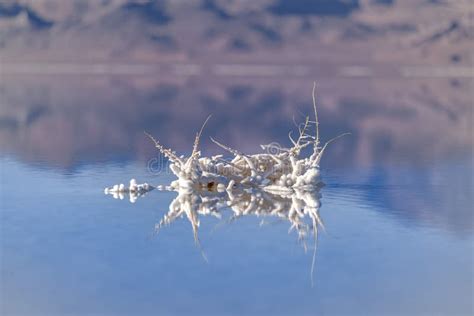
x=398, y=240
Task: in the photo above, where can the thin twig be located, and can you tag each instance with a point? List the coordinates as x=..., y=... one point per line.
x=167, y=152
x=316, y=144
x=318, y=157
x=232, y=151
x=198, y=137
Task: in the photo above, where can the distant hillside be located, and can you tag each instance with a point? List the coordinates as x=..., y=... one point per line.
x=368, y=31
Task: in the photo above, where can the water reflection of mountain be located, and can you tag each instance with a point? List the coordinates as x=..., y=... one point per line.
x=436, y=197
x=64, y=121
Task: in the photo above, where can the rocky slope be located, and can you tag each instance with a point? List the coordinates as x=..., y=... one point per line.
x=280, y=31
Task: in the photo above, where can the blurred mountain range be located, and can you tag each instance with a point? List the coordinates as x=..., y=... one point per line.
x=365, y=31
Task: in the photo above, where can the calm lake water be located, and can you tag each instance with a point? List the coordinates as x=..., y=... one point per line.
x=398, y=235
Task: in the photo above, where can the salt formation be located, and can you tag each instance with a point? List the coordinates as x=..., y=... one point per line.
x=134, y=190
x=280, y=171
x=276, y=169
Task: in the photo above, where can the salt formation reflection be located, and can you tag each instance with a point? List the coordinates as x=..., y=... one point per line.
x=299, y=208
